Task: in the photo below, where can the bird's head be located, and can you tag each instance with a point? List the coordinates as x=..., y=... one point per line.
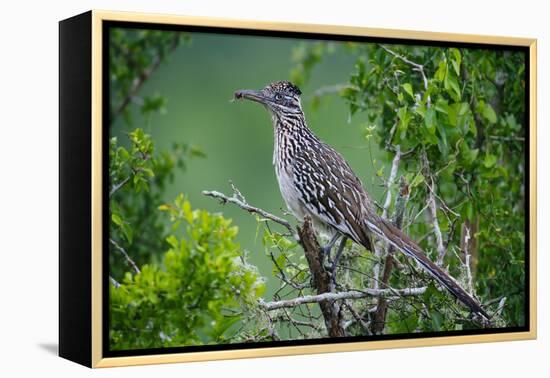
x=281, y=97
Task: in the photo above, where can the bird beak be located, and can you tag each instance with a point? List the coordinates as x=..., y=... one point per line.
x=252, y=95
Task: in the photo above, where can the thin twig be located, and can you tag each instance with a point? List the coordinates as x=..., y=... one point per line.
x=507, y=138
x=114, y=282
x=251, y=209
x=365, y=325
x=416, y=67
x=119, y=186
x=126, y=256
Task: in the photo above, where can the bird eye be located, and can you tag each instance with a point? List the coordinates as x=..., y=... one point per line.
x=278, y=96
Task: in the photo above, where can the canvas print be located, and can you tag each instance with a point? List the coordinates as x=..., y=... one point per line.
x=271, y=189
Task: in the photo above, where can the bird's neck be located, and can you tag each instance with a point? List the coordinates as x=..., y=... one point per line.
x=292, y=135
x=291, y=125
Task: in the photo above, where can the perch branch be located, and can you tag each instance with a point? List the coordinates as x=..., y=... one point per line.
x=313, y=252
x=321, y=278
x=353, y=294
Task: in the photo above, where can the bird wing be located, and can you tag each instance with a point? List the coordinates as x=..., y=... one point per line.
x=332, y=192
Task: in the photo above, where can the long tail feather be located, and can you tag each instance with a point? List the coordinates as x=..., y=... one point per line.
x=406, y=245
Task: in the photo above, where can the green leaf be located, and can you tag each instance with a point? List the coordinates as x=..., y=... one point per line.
x=441, y=72
x=452, y=87
x=164, y=207
x=430, y=120
x=489, y=160
x=173, y=241
x=442, y=143
x=128, y=232
x=404, y=119
x=116, y=218
x=469, y=155
x=436, y=321
x=456, y=60
x=418, y=179
x=408, y=88
x=489, y=113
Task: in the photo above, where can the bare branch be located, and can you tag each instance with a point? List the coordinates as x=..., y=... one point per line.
x=466, y=250
x=119, y=186
x=391, y=179
x=251, y=209
x=387, y=203
x=500, y=307
x=123, y=252
x=379, y=317
x=114, y=282
x=331, y=297
x=507, y=138
x=441, y=250
x=432, y=206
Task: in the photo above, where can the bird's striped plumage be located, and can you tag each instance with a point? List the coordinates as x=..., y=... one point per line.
x=315, y=180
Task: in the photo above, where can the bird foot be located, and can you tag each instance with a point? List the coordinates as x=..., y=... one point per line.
x=325, y=253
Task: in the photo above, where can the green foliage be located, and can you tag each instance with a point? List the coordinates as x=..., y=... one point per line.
x=133, y=56
x=181, y=302
x=138, y=174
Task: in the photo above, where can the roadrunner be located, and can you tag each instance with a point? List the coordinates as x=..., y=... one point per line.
x=315, y=180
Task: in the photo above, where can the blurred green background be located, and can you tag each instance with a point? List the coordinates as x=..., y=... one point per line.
x=199, y=79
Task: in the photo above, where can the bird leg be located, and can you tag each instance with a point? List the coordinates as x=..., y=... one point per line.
x=337, y=257
x=326, y=249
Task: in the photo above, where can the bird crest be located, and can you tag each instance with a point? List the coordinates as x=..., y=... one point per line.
x=284, y=86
